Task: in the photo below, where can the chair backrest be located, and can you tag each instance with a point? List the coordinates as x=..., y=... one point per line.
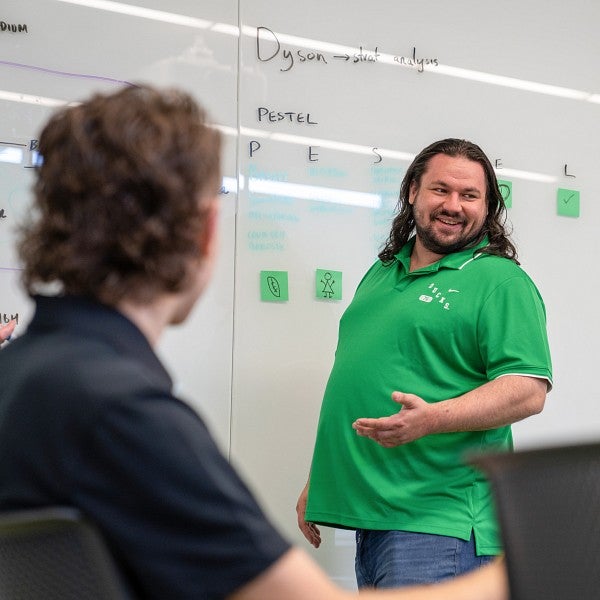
x=55, y=554
x=548, y=504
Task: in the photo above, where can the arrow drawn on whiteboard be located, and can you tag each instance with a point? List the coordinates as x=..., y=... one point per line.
x=64, y=73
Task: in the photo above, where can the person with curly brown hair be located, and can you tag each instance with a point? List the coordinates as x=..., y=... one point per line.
x=121, y=245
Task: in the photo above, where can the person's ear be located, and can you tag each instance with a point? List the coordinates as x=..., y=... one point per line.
x=412, y=192
x=208, y=240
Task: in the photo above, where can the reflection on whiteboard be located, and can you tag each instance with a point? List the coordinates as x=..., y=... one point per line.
x=312, y=192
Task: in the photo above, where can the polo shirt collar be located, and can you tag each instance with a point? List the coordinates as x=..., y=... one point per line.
x=455, y=260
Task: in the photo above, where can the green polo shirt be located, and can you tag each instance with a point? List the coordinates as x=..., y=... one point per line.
x=438, y=332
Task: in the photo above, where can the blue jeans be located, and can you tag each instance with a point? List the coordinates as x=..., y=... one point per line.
x=386, y=559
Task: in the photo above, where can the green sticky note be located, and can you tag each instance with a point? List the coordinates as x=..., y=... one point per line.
x=274, y=286
x=328, y=284
x=567, y=202
x=506, y=191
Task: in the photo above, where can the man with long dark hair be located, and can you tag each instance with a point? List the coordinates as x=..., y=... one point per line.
x=448, y=327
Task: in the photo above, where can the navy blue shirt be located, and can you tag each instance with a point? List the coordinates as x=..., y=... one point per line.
x=88, y=419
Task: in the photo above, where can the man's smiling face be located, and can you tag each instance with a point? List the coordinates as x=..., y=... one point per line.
x=449, y=204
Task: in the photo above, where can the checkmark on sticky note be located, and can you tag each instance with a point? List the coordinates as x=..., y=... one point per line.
x=567, y=202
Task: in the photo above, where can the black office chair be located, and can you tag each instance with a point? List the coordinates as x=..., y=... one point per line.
x=55, y=554
x=548, y=503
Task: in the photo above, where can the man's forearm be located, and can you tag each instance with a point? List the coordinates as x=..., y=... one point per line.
x=497, y=403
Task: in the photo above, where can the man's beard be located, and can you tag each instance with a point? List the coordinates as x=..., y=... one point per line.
x=433, y=244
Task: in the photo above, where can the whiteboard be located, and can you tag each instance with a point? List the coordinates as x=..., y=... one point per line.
x=62, y=52
x=323, y=105
x=518, y=78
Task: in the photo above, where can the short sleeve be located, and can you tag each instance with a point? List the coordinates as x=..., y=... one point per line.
x=512, y=331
